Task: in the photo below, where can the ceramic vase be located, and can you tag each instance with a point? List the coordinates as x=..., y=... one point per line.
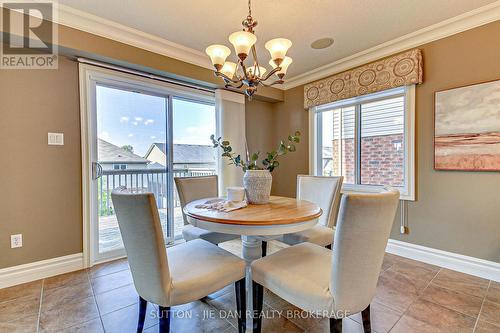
x=257, y=185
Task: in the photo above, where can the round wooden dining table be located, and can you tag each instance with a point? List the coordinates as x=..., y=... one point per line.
x=255, y=223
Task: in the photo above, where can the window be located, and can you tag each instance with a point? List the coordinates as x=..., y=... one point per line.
x=119, y=167
x=367, y=139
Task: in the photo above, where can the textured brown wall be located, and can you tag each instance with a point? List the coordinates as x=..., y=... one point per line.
x=259, y=126
x=40, y=192
x=289, y=116
x=455, y=211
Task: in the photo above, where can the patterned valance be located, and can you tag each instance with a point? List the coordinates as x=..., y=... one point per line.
x=396, y=71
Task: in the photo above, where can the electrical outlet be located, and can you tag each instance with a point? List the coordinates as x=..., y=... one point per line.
x=16, y=241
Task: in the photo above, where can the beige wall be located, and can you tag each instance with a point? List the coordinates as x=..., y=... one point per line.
x=40, y=191
x=289, y=116
x=455, y=211
x=259, y=126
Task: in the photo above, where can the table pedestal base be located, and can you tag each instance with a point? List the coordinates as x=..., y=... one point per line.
x=252, y=250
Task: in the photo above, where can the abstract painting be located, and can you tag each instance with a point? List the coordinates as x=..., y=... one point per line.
x=467, y=128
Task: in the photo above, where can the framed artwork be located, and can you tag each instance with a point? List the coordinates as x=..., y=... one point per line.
x=467, y=128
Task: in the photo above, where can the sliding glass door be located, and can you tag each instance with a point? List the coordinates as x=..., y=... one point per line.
x=141, y=134
x=193, y=153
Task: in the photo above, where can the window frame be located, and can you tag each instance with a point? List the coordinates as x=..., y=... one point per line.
x=407, y=192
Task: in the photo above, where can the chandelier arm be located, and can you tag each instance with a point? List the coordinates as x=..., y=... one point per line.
x=277, y=69
x=226, y=78
x=273, y=83
x=254, y=55
x=229, y=85
x=255, y=61
x=244, y=68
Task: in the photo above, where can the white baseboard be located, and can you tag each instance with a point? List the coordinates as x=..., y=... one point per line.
x=478, y=267
x=15, y=275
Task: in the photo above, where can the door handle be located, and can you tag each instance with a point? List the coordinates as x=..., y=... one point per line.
x=96, y=170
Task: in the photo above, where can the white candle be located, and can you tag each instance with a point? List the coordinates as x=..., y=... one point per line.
x=236, y=194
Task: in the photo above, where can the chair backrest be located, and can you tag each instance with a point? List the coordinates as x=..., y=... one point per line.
x=194, y=188
x=323, y=191
x=361, y=236
x=142, y=236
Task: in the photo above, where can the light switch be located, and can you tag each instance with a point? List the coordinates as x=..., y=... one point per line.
x=56, y=139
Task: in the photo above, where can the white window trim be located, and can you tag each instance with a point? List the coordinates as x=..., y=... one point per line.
x=408, y=192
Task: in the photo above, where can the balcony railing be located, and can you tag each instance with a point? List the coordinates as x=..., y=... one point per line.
x=151, y=180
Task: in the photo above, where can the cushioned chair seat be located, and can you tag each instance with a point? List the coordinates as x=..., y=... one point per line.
x=198, y=268
x=319, y=234
x=299, y=274
x=190, y=232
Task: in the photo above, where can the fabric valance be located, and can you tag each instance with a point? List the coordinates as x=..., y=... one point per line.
x=396, y=71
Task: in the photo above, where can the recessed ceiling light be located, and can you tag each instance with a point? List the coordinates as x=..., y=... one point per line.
x=322, y=43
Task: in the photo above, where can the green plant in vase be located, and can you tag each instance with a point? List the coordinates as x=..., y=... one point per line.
x=257, y=179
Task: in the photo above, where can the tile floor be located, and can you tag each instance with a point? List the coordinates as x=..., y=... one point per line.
x=411, y=297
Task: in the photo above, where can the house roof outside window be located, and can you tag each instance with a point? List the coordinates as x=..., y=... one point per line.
x=184, y=153
x=110, y=153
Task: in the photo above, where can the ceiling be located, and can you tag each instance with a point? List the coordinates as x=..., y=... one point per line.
x=354, y=25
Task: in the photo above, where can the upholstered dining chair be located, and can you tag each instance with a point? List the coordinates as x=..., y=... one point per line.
x=181, y=274
x=336, y=283
x=325, y=192
x=194, y=188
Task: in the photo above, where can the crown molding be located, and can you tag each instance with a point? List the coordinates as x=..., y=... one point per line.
x=96, y=25
x=475, y=18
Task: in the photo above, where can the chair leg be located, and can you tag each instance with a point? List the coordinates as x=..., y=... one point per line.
x=335, y=325
x=258, y=299
x=143, y=304
x=164, y=313
x=241, y=306
x=329, y=246
x=264, y=249
x=365, y=315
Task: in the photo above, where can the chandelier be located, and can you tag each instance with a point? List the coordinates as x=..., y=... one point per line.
x=236, y=75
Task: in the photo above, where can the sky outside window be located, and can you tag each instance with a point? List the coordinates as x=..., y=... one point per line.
x=131, y=118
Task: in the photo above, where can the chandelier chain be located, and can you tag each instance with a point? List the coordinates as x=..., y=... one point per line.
x=249, y=8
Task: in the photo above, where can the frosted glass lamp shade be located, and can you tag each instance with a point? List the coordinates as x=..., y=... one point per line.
x=218, y=55
x=284, y=66
x=242, y=42
x=277, y=48
x=228, y=69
